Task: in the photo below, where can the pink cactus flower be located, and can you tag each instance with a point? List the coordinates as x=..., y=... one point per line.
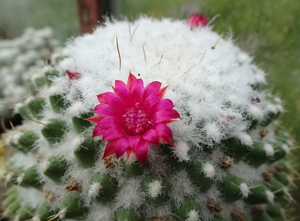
x=197, y=20
x=133, y=117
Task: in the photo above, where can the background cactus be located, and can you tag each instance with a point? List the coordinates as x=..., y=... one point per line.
x=230, y=156
x=20, y=59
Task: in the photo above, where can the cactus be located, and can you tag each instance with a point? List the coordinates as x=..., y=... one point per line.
x=20, y=59
x=150, y=120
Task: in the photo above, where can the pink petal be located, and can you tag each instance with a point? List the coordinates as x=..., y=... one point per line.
x=150, y=101
x=101, y=98
x=164, y=133
x=164, y=104
x=98, y=131
x=133, y=141
x=122, y=145
x=151, y=136
x=109, y=148
x=104, y=110
x=123, y=92
x=95, y=119
x=162, y=130
x=112, y=133
x=129, y=151
x=130, y=81
x=166, y=140
x=151, y=88
x=111, y=99
x=142, y=151
x=108, y=122
x=137, y=90
x=162, y=91
x=168, y=121
x=165, y=115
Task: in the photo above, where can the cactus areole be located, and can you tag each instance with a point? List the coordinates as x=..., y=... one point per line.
x=153, y=120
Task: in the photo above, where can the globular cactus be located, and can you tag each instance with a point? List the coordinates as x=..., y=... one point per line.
x=150, y=120
x=20, y=59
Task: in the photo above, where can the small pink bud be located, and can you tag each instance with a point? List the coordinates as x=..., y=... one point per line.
x=255, y=100
x=73, y=75
x=197, y=20
x=230, y=118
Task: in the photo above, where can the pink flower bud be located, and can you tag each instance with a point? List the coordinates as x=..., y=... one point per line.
x=197, y=20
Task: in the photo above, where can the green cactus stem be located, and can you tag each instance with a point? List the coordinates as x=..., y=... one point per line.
x=54, y=131
x=55, y=168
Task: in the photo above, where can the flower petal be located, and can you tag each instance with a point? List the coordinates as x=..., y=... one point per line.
x=162, y=130
x=133, y=141
x=166, y=140
x=165, y=115
x=150, y=101
x=95, y=119
x=151, y=88
x=98, y=131
x=151, y=136
x=137, y=90
x=164, y=104
x=164, y=133
x=104, y=110
x=130, y=81
x=109, y=148
x=108, y=122
x=112, y=133
x=142, y=151
x=122, y=145
x=111, y=99
x=129, y=151
x=123, y=92
x=162, y=91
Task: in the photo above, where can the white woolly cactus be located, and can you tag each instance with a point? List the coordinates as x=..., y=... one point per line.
x=184, y=130
x=20, y=59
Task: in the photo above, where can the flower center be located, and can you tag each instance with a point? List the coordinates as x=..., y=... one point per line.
x=135, y=121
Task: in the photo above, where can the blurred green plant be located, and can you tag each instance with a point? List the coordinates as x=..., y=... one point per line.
x=60, y=15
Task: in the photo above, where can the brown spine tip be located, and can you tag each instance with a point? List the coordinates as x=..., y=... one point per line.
x=39, y=158
x=266, y=176
x=263, y=133
x=257, y=211
x=213, y=205
x=49, y=195
x=225, y=162
x=74, y=186
x=238, y=215
x=278, y=169
x=109, y=162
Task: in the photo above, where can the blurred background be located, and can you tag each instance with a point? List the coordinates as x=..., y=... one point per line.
x=269, y=30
